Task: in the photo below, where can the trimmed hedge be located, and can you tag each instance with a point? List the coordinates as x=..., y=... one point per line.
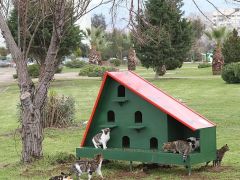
x=95, y=71
x=75, y=64
x=115, y=62
x=204, y=65
x=231, y=73
x=33, y=71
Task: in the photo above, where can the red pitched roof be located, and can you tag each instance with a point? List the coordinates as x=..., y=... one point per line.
x=156, y=97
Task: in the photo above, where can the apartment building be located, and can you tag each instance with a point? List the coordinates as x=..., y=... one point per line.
x=227, y=17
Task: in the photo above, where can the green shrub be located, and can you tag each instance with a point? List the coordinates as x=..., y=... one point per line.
x=59, y=69
x=95, y=71
x=115, y=62
x=204, y=65
x=15, y=76
x=75, y=64
x=33, y=70
x=231, y=73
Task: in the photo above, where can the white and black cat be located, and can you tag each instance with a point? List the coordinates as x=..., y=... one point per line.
x=101, y=138
x=88, y=166
x=179, y=146
x=195, y=142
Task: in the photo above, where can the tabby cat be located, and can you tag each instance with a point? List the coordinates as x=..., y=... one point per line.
x=101, y=138
x=219, y=154
x=88, y=166
x=179, y=146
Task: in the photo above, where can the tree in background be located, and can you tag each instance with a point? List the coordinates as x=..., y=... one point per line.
x=117, y=44
x=198, y=29
x=167, y=36
x=97, y=41
x=231, y=48
x=33, y=96
x=84, y=50
x=132, y=59
x=218, y=35
x=98, y=21
x=40, y=43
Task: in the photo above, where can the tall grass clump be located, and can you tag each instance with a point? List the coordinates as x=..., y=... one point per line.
x=59, y=111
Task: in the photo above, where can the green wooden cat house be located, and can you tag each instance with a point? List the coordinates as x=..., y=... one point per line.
x=141, y=118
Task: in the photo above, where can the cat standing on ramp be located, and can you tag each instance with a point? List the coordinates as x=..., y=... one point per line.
x=179, y=146
x=101, y=138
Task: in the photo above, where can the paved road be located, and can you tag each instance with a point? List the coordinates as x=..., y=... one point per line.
x=6, y=75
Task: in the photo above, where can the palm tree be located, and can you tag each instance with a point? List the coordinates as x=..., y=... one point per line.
x=96, y=36
x=132, y=59
x=218, y=35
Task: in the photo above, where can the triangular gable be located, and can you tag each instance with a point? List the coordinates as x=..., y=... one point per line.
x=156, y=97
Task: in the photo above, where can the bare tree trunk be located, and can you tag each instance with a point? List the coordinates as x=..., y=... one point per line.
x=32, y=100
x=32, y=130
x=160, y=71
x=30, y=114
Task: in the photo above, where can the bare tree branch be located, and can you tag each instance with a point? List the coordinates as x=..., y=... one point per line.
x=217, y=9
x=202, y=12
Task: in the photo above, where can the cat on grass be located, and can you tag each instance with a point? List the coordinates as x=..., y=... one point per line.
x=179, y=146
x=219, y=154
x=88, y=166
x=101, y=138
x=63, y=176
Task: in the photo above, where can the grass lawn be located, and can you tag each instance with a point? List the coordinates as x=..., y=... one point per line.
x=207, y=94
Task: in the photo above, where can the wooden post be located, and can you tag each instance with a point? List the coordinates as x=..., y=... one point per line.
x=131, y=166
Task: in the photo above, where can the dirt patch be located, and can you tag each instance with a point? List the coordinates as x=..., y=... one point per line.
x=28, y=172
x=121, y=171
x=130, y=175
x=148, y=167
x=195, y=177
x=4, y=166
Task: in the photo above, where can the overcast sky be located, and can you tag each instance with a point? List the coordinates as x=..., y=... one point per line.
x=188, y=7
